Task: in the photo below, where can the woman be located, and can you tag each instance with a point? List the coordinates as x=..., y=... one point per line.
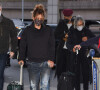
x=76, y=36
x=38, y=39
x=61, y=34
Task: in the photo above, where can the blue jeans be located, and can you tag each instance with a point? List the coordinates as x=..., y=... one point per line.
x=3, y=58
x=39, y=76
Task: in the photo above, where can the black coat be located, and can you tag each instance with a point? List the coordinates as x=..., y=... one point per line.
x=61, y=54
x=7, y=29
x=75, y=37
x=59, y=32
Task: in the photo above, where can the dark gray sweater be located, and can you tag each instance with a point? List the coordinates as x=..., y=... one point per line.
x=39, y=44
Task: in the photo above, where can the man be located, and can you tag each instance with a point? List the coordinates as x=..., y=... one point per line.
x=7, y=32
x=94, y=40
x=61, y=34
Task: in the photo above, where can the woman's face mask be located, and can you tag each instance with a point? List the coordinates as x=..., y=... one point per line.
x=79, y=28
x=66, y=21
x=38, y=19
x=38, y=22
x=80, y=25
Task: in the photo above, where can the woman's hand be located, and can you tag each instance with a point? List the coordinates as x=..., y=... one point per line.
x=21, y=62
x=51, y=63
x=11, y=54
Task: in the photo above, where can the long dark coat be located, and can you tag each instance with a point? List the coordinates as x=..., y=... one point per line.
x=75, y=38
x=61, y=54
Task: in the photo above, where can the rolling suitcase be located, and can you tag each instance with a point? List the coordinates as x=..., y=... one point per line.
x=16, y=85
x=67, y=79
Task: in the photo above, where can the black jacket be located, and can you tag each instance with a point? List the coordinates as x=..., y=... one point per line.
x=59, y=32
x=39, y=44
x=62, y=55
x=7, y=31
x=94, y=40
x=75, y=36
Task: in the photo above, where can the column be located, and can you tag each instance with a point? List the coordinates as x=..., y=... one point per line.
x=53, y=11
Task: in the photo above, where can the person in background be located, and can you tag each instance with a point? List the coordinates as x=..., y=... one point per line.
x=89, y=42
x=76, y=36
x=7, y=32
x=61, y=34
x=39, y=42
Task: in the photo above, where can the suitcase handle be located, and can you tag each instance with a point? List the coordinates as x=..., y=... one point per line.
x=21, y=74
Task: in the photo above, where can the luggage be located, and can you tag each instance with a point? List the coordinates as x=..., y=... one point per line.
x=16, y=85
x=66, y=81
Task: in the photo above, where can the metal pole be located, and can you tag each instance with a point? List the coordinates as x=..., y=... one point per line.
x=22, y=10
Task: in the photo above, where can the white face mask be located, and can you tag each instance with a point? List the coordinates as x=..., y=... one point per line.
x=69, y=25
x=79, y=28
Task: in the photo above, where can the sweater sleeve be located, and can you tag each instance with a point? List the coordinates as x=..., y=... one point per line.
x=51, y=46
x=23, y=43
x=13, y=36
x=91, y=41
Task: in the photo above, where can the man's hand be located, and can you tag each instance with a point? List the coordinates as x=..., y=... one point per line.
x=65, y=38
x=84, y=39
x=51, y=63
x=66, y=35
x=11, y=54
x=21, y=62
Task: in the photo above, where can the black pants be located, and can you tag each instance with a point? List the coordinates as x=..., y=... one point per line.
x=3, y=58
x=8, y=60
x=83, y=63
x=62, y=61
